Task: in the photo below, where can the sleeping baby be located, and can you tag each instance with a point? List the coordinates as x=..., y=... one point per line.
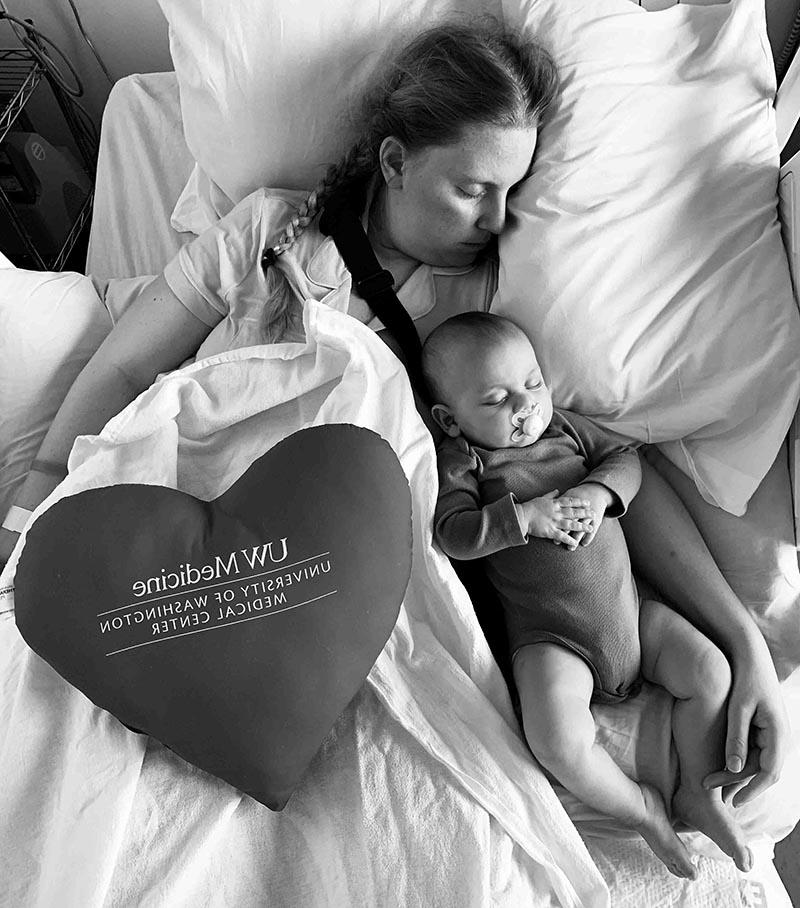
x=536, y=493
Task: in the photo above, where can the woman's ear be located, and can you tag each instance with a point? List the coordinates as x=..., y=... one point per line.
x=445, y=420
x=391, y=156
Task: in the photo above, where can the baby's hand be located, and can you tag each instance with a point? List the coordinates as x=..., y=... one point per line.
x=599, y=499
x=554, y=517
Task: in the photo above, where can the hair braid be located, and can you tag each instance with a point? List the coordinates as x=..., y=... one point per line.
x=357, y=163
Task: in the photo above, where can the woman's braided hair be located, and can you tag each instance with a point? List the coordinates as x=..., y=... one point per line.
x=450, y=77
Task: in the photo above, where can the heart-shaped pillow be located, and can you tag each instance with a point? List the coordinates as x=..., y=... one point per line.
x=234, y=631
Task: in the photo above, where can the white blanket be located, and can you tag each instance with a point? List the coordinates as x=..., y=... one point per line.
x=423, y=793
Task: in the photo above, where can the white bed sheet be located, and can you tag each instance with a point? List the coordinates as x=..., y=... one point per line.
x=135, y=192
x=131, y=236
x=424, y=793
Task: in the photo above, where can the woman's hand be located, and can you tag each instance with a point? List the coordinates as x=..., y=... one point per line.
x=667, y=548
x=758, y=728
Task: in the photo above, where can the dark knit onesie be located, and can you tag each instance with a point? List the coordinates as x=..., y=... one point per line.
x=584, y=599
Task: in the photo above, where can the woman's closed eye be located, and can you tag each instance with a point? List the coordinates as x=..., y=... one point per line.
x=470, y=192
x=534, y=383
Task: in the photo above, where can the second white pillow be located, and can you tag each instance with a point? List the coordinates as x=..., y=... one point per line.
x=644, y=257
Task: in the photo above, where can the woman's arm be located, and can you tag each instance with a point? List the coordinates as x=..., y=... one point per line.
x=155, y=334
x=668, y=550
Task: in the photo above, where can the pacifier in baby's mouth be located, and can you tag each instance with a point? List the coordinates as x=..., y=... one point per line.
x=528, y=424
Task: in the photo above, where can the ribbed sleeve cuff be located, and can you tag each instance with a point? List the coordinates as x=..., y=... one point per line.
x=508, y=518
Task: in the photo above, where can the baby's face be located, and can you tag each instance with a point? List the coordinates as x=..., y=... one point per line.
x=497, y=396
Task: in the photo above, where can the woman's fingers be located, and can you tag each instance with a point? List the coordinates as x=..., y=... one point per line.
x=740, y=717
x=769, y=746
x=730, y=791
x=766, y=730
x=723, y=778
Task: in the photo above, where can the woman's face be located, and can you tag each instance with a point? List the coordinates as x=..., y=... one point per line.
x=445, y=203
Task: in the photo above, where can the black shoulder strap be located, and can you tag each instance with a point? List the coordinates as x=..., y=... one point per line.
x=375, y=285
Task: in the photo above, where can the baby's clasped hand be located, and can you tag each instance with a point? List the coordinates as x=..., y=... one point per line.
x=554, y=517
x=599, y=499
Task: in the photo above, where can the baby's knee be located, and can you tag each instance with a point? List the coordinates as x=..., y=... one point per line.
x=560, y=745
x=709, y=674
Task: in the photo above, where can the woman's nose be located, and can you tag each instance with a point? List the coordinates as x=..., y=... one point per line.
x=493, y=215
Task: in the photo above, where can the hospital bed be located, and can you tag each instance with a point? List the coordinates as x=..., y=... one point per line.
x=423, y=793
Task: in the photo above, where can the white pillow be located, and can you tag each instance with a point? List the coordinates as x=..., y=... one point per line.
x=200, y=205
x=644, y=256
x=50, y=325
x=266, y=88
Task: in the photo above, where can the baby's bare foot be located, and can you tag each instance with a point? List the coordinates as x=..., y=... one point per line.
x=705, y=810
x=657, y=831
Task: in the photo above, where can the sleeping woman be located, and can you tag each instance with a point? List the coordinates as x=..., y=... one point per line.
x=448, y=134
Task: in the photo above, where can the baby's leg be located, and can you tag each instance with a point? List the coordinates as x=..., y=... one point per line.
x=555, y=687
x=683, y=660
